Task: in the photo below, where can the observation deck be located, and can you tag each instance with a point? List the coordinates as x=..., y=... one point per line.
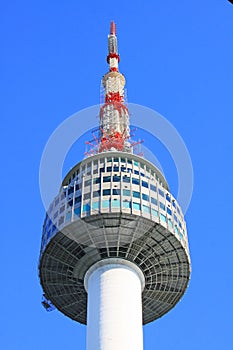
x=114, y=205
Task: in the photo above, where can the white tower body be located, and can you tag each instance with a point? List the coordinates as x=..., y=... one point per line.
x=114, y=310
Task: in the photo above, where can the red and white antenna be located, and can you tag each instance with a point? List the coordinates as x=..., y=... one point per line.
x=114, y=115
x=114, y=128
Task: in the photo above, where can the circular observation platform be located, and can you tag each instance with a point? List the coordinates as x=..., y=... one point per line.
x=114, y=205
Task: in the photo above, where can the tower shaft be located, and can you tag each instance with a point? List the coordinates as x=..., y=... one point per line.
x=114, y=311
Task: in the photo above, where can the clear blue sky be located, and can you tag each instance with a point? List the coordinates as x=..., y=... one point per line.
x=177, y=57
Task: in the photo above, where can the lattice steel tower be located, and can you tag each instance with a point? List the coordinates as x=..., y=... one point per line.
x=114, y=251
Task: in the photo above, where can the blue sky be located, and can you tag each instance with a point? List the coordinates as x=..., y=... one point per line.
x=177, y=58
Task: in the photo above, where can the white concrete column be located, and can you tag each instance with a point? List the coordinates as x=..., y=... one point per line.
x=114, y=310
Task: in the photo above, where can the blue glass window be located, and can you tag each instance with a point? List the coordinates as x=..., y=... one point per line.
x=102, y=170
x=145, y=184
x=123, y=168
x=109, y=169
x=96, y=194
x=126, y=179
x=116, y=178
x=122, y=160
x=145, y=209
x=77, y=211
x=136, y=172
x=178, y=210
x=116, y=168
x=161, y=193
x=109, y=160
x=87, y=195
x=126, y=192
x=154, y=201
x=95, y=205
x=145, y=197
x=169, y=211
x=170, y=222
x=162, y=217
x=107, y=179
x=176, y=230
x=129, y=161
x=116, y=159
x=70, y=190
x=78, y=187
x=136, y=194
x=175, y=217
x=142, y=174
x=174, y=204
x=116, y=203
x=136, y=206
x=162, y=206
x=87, y=183
x=154, y=212
x=153, y=188
x=105, y=204
x=135, y=163
x=168, y=198
x=135, y=181
x=106, y=192
x=116, y=191
x=126, y=205
x=86, y=207
x=78, y=199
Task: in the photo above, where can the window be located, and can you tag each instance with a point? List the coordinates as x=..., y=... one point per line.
x=78, y=187
x=168, y=198
x=105, y=204
x=126, y=179
x=154, y=212
x=136, y=194
x=162, y=217
x=126, y=192
x=116, y=178
x=136, y=172
x=87, y=196
x=145, y=197
x=109, y=169
x=161, y=193
x=107, y=179
x=123, y=168
x=86, y=208
x=116, y=159
x=135, y=163
x=135, y=181
x=77, y=199
x=106, y=192
x=70, y=190
x=153, y=188
x=95, y=205
x=169, y=211
x=146, y=209
x=109, y=160
x=136, y=206
x=175, y=217
x=144, y=184
x=116, y=168
x=129, y=161
x=96, y=180
x=102, y=170
x=122, y=160
x=96, y=194
x=178, y=210
x=162, y=206
x=154, y=201
x=115, y=203
x=116, y=192
x=126, y=205
x=77, y=211
x=169, y=223
x=174, y=204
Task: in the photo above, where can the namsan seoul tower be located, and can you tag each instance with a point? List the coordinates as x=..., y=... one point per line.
x=114, y=252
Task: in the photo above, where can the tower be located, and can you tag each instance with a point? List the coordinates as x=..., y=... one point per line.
x=114, y=252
